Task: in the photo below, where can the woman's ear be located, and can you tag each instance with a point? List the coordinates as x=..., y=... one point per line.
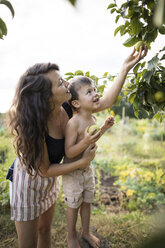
x=75, y=104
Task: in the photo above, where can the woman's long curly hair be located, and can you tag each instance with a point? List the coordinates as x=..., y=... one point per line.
x=29, y=113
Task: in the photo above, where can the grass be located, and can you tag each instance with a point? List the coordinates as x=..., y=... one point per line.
x=123, y=230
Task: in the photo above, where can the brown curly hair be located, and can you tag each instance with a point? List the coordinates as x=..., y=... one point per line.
x=29, y=113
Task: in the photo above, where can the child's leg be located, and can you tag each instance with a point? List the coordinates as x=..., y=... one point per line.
x=85, y=211
x=71, y=223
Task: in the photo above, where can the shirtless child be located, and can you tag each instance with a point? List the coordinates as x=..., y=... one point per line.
x=79, y=185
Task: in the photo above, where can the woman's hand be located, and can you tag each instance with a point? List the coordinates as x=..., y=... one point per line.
x=88, y=155
x=134, y=58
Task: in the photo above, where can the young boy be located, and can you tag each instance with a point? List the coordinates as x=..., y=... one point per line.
x=79, y=185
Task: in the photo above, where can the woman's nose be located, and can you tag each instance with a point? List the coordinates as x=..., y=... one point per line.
x=66, y=84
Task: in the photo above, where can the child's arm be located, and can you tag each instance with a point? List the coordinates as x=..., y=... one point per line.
x=109, y=97
x=73, y=149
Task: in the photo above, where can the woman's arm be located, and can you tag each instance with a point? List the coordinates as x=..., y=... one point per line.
x=111, y=94
x=52, y=170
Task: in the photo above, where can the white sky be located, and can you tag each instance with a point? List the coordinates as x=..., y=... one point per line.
x=54, y=31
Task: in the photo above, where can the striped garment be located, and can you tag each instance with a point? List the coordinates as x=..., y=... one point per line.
x=30, y=197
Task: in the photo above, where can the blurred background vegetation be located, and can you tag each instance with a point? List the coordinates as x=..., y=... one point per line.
x=130, y=182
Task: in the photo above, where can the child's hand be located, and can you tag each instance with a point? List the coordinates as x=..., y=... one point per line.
x=90, y=137
x=109, y=122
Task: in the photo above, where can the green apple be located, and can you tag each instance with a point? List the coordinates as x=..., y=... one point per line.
x=159, y=96
x=91, y=128
x=139, y=44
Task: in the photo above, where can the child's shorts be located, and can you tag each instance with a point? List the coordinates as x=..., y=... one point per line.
x=79, y=186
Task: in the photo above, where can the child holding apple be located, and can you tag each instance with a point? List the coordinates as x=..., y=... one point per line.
x=81, y=131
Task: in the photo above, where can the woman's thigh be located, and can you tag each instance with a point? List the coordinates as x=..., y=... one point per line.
x=27, y=232
x=45, y=219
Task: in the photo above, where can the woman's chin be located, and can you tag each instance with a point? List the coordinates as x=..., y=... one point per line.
x=69, y=96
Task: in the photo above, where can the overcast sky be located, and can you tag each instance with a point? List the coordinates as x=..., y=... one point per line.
x=54, y=31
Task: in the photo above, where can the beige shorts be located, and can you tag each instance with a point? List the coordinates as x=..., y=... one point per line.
x=79, y=186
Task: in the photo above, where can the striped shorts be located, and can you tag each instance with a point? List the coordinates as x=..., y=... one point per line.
x=29, y=196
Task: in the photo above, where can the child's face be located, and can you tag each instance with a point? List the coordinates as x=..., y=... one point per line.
x=88, y=97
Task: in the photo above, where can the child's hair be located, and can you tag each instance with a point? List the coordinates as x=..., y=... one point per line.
x=75, y=85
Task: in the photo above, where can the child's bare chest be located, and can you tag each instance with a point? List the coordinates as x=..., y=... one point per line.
x=83, y=125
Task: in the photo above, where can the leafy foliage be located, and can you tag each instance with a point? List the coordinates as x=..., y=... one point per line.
x=100, y=82
x=3, y=27
x=140, y=23
x=148, y=79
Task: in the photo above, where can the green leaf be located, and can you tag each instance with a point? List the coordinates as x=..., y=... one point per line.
x=132, y=97
x=143, y=64
x=105, y=74
x=9, y=5
x=3, y=27
x=150, y=4
x=101, y=89
x=152, y=64
x=111, y=5
x=118, y=29
x=163, y=49
x=67, y=78
x=148, y=75
x=136, y=68
x=150, y=36
x=123, y=30
x=149, y=97
x=1, y=35
x=69, y=73
x=110, y=77
x=87, y=74
x=113, y=10
x=163, y=57
x=157, y=116
x=117, y=18
x=93, y=77
x=130, y=12
x=136, y=25
x=79, y=72
x=130, y=41
x=136, y=113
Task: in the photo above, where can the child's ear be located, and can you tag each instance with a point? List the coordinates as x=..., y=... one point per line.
x=75, y=104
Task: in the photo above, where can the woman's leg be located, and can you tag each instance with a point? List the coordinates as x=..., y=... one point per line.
x=44, y=228
x=27, y=232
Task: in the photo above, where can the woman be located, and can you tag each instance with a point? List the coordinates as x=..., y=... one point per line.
x=38, y=121
x=38, y=118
